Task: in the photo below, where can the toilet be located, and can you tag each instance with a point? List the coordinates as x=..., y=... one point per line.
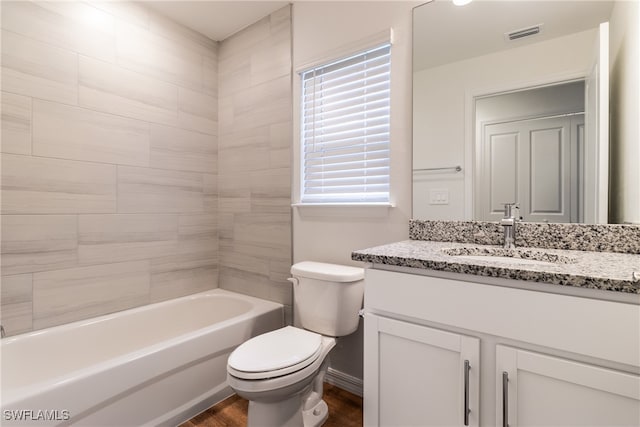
x=281, y=372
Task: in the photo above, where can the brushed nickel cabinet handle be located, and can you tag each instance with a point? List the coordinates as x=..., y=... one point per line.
x=467, y=367
x=505, y=399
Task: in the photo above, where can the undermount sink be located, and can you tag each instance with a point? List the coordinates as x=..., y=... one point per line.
x=522, y=256
x=510, y=260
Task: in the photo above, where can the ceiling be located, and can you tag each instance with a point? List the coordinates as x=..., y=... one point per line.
x=216, y=19
x=472, y=30
x=445, y=33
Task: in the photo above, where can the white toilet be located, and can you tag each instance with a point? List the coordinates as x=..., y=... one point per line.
x=281, y=372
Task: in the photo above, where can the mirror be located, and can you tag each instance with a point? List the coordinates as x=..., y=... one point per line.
x=540, y=60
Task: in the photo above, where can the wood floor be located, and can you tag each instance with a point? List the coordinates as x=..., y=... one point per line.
x=345, y=410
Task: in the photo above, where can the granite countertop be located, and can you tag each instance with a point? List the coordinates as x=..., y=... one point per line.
x=607, y=271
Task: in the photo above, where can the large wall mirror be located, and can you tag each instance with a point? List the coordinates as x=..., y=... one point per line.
x=511, y=104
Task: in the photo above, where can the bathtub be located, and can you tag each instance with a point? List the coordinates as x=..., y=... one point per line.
x=159, y=364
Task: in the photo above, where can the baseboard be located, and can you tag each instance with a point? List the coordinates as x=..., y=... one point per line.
x=344, y=381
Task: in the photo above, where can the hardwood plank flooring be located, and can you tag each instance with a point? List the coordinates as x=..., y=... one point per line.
x=345, y=410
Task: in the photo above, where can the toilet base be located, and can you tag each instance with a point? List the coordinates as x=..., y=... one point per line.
x=317, y=415
x=302, y=409
x=289, y=413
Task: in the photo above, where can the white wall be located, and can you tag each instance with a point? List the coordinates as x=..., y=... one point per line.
x=320, y=31
x=625, y=112
x=441, y=113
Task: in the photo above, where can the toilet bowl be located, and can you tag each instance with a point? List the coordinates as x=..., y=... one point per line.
x=280, y=387
x=282, y=372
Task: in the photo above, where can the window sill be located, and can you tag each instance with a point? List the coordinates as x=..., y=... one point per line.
x=359, y=210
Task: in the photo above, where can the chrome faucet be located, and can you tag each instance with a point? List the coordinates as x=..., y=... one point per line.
x=509, y=221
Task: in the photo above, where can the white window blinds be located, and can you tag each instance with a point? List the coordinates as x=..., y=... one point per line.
x=345, y=129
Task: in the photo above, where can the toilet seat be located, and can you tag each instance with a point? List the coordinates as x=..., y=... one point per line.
x=275, y=354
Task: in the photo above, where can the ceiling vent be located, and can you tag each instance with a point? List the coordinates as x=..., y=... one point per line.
x=524, y=32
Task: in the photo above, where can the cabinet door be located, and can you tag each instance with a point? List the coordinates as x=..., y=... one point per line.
x=419, y=376
x=533, y=389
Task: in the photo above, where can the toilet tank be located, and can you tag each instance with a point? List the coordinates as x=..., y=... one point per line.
x=327, y=297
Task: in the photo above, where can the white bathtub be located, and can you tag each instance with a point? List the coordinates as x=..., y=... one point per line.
x=159, y=364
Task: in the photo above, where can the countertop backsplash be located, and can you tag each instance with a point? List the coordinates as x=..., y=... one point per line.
x=618, y=238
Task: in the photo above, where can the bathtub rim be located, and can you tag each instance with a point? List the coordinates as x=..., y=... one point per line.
x=25, y=392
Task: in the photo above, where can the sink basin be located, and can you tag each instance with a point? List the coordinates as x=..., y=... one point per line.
x=522, y=256
x=509, y=260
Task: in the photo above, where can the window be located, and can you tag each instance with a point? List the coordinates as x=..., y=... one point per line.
x=345, y=129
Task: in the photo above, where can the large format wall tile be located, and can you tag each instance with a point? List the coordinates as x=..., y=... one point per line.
x=280, y=145
x=260, y=53
x=267, y=231
x=77, y=133
x=113, y=89
x=210, y=192
x=158, y=57
x=126, y=237
x=194, y=265
x=258, y=285
x=254, y=143
x=256, y=106
x=109, y=193
x=37, y=69
x=127, y=11
x=167, y=283
x=16, y=124
x=234, y=193
x=73, y=26
x=274, y=60
x=197, y=111
x=271, y=191
x=158, y=191
x=16, y=309
x=38, y=243
x=197, y=239
x=38, y=185
x=234, y=69
x=210, y=67
x=183, y=36
x=198, y=226
x=62, y=296
x=244, y=151
x=179, y=149
x=244, y=43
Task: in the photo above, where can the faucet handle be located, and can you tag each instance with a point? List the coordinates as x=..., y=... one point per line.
x=509, y=207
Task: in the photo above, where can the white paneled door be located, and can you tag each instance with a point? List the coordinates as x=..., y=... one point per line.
x=536, y=163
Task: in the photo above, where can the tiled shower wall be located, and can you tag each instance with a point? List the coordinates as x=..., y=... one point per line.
x=254, y=180
x=110, y=162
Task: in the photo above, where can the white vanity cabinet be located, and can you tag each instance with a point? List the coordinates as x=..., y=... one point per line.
x=568, y=360
x=425, y=376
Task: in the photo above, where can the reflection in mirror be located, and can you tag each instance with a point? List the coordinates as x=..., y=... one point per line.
x=465, y=62
x=531, y=150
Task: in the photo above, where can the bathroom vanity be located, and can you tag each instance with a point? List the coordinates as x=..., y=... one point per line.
x=493, y=339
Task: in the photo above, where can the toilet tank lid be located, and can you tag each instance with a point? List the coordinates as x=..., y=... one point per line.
x=325, y=271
